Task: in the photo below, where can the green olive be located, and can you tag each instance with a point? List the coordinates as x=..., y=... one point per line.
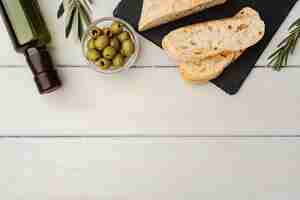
x=103, y=64
x=115, y=43
x=122, y=52
x=128, y=47
x=95, y=32
x=124, y=36
x=107, y=31
x=116, y=28
x=109, y=53
x=91, y=44
x=93, y=55
x=101, y=42
x=118, y=61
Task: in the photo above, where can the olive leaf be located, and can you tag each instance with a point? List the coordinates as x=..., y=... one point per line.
x=70, y=21
x=77, y=15
x=85, y=14
x=61, y=10
x=80, y=25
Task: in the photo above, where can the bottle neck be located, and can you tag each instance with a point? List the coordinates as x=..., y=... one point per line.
x=42, y=67
x=39, y=59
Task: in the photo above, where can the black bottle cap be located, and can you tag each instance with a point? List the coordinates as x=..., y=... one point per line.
x=41, y=65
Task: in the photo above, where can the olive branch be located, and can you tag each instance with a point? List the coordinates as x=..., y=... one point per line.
x=77, y=15
x=286, y=47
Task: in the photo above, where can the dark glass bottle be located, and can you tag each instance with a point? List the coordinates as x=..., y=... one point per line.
x=30, y=36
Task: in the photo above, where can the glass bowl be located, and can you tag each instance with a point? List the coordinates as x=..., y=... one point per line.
x=106, y=22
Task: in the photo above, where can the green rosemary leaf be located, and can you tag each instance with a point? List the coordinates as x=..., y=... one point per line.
x=61, y=10
x=70, y=22
x=286, y=47
x=285, y=62
x=296, y=23
x=273, y=55
x=294, y=44
x=282, y=42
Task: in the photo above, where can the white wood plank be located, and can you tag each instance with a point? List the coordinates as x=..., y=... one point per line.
x=149, y=169
x=148, y=102
x=142, y=102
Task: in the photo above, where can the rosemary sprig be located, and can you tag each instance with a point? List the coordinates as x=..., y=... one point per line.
x=77, y=15
x=279, y=58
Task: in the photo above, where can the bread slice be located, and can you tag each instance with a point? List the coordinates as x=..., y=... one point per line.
x=209, y=68
x=158, y=12
x=208, y=39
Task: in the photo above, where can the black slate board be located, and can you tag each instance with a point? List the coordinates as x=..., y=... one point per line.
x=272, y=12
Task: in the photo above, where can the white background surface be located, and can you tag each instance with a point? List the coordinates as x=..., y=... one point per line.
x=145, y=101
x=164, y=168
x=146, y=168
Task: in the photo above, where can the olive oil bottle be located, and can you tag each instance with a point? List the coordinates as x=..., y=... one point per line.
x=30, y=36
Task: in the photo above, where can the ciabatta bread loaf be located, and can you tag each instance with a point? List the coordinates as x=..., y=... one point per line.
x=208, y=39
x=201, y=69
x=158, y=12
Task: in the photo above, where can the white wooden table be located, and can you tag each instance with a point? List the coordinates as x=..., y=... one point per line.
x=145, y=101
x=148, y=102
x=157, y=168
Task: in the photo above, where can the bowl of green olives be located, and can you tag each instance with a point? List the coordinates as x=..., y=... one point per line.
x=110, y=45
